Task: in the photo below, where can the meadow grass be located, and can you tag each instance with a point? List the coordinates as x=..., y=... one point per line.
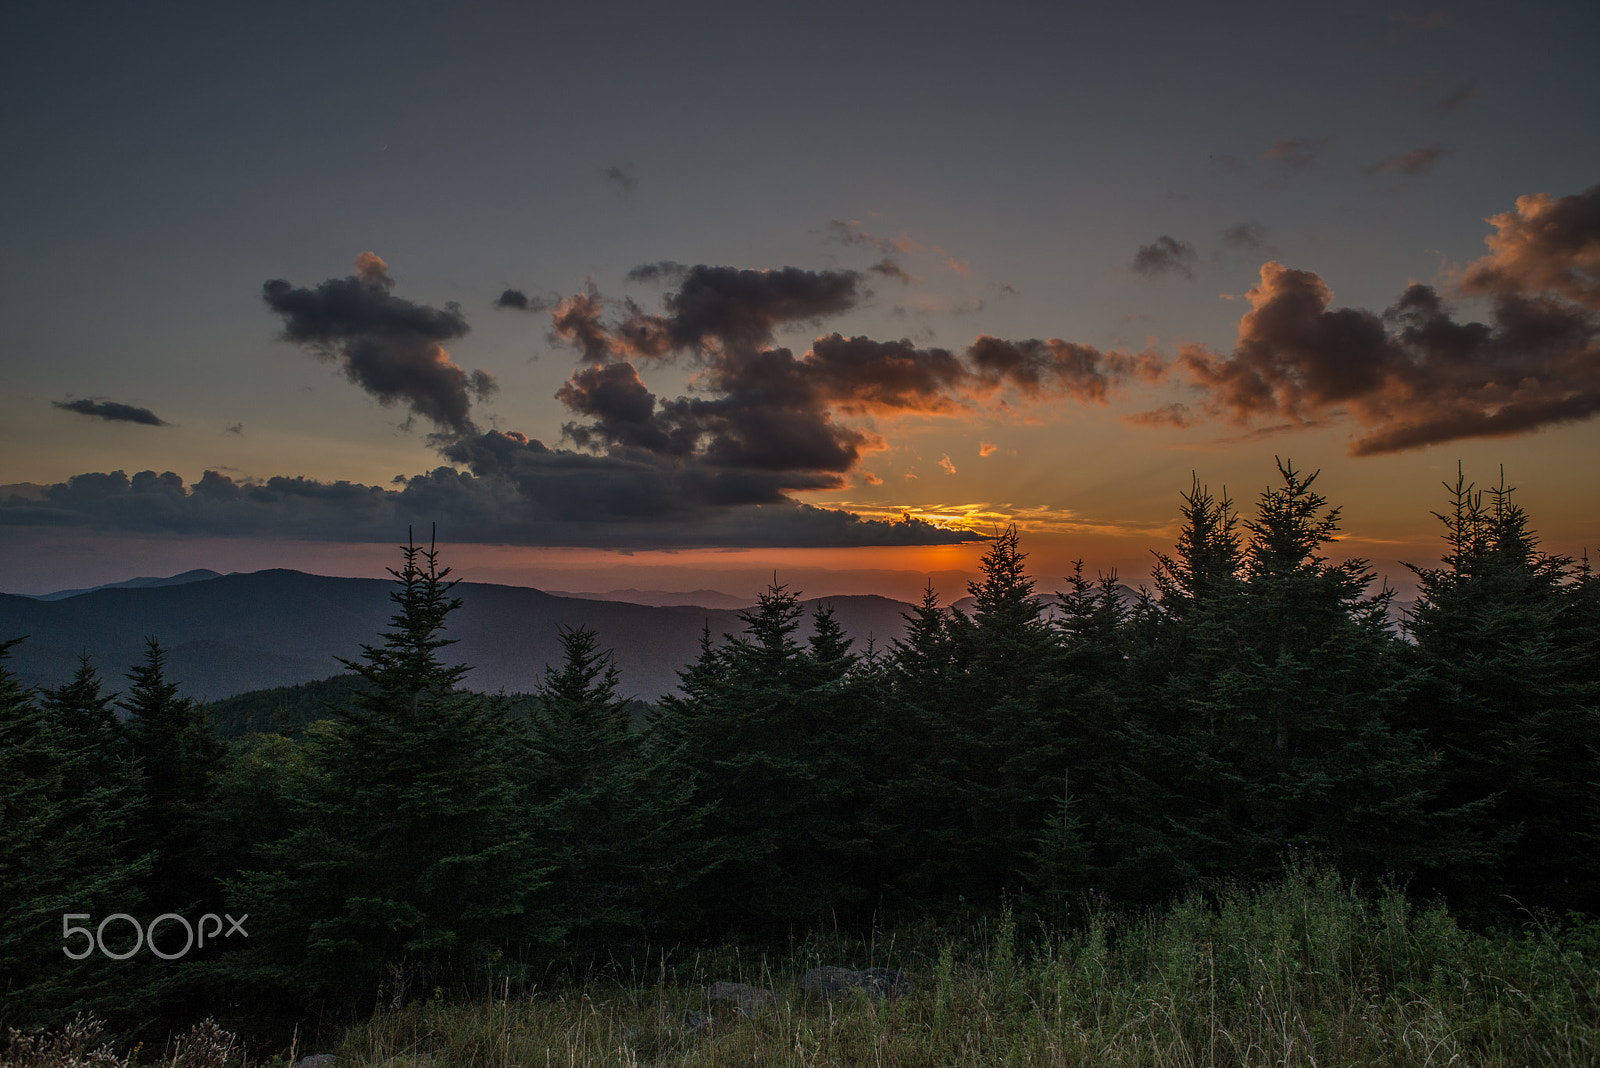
x=1305, y=972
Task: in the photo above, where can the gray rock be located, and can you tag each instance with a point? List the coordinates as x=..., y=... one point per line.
x=316, y=1060
x=749, y=999
x=830, y=981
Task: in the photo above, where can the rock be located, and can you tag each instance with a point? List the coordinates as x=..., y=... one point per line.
x=316, y=1060
x=750, y=999
x=879, y=983
x=696, y=1022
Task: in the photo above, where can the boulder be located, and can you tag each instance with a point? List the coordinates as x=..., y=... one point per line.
x=830, y=981
x=749, y=999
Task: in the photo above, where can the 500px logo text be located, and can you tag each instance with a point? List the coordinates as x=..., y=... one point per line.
x=146, y=936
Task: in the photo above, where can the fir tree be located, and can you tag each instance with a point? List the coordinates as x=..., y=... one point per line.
x=1162, y=795
x=1269, y=680
x=67, y=807
x=996, y=752
x=179, y=757
x=619, y=829
x=1505, y=646
x=769, y=733
x=412, y=868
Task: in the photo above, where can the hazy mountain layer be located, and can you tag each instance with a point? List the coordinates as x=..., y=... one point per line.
x=235, y=633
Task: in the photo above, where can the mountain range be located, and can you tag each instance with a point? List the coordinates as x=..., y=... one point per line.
x=229, y=634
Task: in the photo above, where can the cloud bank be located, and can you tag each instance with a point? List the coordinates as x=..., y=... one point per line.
x=113, y=412
x=1414, y=374
x=391, y=348
x=539, y=497
x=791, y=421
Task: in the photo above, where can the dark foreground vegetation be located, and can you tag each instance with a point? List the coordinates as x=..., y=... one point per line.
x=1109, y=769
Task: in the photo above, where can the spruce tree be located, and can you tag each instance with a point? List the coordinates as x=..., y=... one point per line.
x=180, y=757
x=620, y=831
x=997, y=753
x=412, y=868
x=913, y=808
x=1266, y=688
x=767, y=730
x=67, y=808
x=1508, y=662
x=1088, y=685
x=1162, y=796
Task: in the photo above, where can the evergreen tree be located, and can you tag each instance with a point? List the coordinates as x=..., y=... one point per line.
x=412, y=867
x=769, y=733
x=619, y=829
x=67, y=806
x=996, y=752
x=179, y=757
x=1265, y=723
x=88, y=722
x=1509, y=694
x=912, y=806
x=1163, y=794
x=1088, y=681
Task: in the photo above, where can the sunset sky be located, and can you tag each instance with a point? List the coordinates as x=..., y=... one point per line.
x=671, y=296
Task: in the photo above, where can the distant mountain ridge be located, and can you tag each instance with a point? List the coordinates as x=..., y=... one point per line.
x=199, y=574
x=231, y=634
x=665, y=598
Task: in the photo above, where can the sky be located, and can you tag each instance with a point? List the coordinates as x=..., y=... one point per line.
x=682, y=296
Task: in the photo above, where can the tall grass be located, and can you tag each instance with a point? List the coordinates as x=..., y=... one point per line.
x=1303, y=972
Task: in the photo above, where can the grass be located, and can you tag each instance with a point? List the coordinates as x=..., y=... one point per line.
x=1304, y=972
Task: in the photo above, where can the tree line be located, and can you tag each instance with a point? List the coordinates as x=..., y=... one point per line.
x=1099, y=748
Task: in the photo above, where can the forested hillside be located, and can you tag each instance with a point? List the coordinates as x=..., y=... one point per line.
x=1255, y=708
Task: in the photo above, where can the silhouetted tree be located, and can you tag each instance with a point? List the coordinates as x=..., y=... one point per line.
x=765, y=730
x=1509, y=667
x=621, y=832
x=412, y=866
x=68, y=805
x=179, y=757
x=993, y=756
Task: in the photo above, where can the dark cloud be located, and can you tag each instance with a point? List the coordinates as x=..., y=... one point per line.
x=849, y=232
x=517, y=300
x=888, y=268
x=1165, y=255
x=113, y=412
x=577, y=321
x=1174, y=415
x=393, y=349
x=761, y=408
x=712, y=309
x=624, y=411
x=1057, y=368
x=1545, y=245
x=1417, y=161
x=773, y=411
x=1415, y=375
x=623, y=178
x=769, y=415
x=668, y=271
x=1247, y=236
x=527, y=495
